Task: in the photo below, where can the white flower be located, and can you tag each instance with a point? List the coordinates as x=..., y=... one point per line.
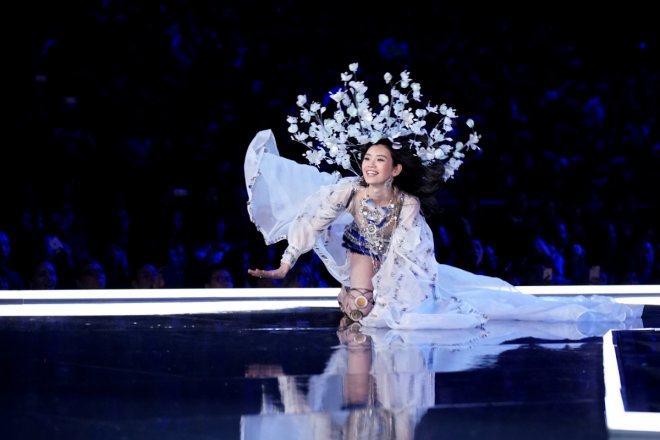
x=337, y=97
x=366, y=115
x=353, y=67
x=451, y=166
x=449, y=112
x=387, y=77
x=470, y=123
x=418, y=127
x=353, y=131
x=305, y=115
x=293, y=128
x=446, y=123
x=315, y=157
x=437, y=135
x=346, y=162
x=302, y=100
x=472, y=142
x=346, y=76
x=446, y=149
x=383, y=99
x=407, y=117
x=315, y=107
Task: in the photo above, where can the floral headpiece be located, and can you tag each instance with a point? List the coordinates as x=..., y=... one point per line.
x=338, y=139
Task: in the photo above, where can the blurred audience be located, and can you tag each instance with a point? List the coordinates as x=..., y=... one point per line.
x=135, y=164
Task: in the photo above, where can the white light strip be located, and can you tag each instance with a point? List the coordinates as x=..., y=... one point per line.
x=330, y=292
x=247, y=293
x=204, y=300
x=650, y=300
x=618, y=419
x=610, y=289
x=158, y=308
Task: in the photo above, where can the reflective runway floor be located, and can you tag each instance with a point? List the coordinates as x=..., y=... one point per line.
x=300, y=373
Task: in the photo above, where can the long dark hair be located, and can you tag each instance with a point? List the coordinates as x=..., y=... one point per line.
x=418, y=179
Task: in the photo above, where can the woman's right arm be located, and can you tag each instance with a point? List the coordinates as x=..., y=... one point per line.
x=317, y=213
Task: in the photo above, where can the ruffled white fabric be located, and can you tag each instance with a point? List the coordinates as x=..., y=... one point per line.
x=309, y=208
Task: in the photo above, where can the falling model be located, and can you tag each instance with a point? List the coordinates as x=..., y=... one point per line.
x=369, y=229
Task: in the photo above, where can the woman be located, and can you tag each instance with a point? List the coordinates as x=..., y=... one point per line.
x=394, y=267
x=370, y=231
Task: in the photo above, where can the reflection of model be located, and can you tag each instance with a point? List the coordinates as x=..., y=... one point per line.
x=382, y=381
x=361, y=394
x=370, y=231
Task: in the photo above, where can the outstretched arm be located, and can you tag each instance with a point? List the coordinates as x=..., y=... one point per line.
x=275, y=274
x=318, y=212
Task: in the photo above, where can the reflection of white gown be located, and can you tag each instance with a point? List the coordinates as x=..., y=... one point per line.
x=297, y=202
x=404, y=364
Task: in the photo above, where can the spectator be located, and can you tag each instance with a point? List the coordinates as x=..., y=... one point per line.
x=91, y=275
x=219, y=278
x=147, y=276
x=11, y=279
x=44, y=276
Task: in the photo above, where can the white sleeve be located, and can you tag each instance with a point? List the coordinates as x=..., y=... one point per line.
x=318, y=212
x=277, y=187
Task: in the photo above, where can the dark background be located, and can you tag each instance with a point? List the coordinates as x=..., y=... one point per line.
x=144, y=109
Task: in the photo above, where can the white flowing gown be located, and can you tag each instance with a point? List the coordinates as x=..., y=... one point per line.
x=307, y=207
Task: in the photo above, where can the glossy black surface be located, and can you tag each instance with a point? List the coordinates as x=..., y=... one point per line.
x=638, y=357
x=216, y=376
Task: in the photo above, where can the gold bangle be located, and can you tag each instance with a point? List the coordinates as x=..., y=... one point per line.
x=355, y=315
